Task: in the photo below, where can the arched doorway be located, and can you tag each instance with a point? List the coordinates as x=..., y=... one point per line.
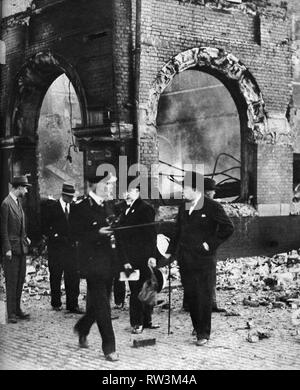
x=243, y=89
x=59, y=158
x=31, y=86
x=198, y=123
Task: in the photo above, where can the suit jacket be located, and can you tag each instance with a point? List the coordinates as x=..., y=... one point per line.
x=56, y=227
x=136, y=245
x=208, y=224
x=12, y=228
x=94, y=252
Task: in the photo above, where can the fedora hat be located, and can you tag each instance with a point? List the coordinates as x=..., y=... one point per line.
x=20, y=181
x=209, y=184
x=68, y=189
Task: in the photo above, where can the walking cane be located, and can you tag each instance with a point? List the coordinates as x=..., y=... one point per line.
x=169, y=313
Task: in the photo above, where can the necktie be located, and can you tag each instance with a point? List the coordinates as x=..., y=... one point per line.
x=66, y=212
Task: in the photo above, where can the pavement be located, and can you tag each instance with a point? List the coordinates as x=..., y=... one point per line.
x=47, y=341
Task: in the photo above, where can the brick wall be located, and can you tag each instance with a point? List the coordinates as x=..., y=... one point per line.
x=80, y=32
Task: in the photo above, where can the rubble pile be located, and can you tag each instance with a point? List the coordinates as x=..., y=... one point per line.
x=37, y=278
x=263, y=281
x=239, y=210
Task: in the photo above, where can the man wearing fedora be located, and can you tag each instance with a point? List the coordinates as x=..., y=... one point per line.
x=14, y=243
x=137, y=250
x=202, y=225
x=96, y=260
x=61, y=250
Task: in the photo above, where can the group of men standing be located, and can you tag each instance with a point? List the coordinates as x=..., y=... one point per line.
x=82, y=244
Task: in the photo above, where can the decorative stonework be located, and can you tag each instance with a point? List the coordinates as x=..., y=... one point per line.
x=230, y=66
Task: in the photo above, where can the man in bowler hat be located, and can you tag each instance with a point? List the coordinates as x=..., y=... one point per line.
x=96, y=261
x=14, y=243
x=61, y=250
x=202, y=225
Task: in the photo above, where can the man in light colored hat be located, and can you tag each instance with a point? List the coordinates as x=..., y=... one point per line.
x=61, y=250
x=14, y=243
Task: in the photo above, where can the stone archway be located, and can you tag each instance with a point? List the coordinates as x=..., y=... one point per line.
x=244, y=90
x=32, y=82
x=31, y=85
x=227, y=65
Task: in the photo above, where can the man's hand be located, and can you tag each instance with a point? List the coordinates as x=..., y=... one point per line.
x=8, y=255
x=206, y=246
x=127, y=266
x=105, y=231
x=152, y=262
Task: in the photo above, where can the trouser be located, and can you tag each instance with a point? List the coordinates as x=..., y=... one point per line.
x=98, y=310
x=214, y=292
x=198, y=288
x=139, y=312
x=14, y=272
x=63, y=263
x=119, y=291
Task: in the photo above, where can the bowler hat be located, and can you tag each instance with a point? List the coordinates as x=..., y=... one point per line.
x=20, y=181
x=209, y=184
x=193, y=179
x=68, y=189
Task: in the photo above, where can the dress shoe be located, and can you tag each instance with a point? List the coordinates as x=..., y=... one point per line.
x=76, y=311
x=201, y=342
x=12, y=320
x=82, y=341
x=23, y=316
x=152, y=326
x=137, y=329
x=217, y=309
x=112, y=357
x=56, y=308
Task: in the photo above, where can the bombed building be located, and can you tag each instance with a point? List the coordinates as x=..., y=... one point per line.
x=163, y=83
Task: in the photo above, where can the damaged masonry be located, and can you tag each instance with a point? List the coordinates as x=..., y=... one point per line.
x=165, y=83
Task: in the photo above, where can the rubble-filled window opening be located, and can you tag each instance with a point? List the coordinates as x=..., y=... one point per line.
x=59, y=158
x=198, y=123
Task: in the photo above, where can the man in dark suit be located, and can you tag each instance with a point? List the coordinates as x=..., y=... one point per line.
x=202, y=225
x=210, y=191
x=61, y=250
x=14, y=243
x=97, y=261
x=137, y=248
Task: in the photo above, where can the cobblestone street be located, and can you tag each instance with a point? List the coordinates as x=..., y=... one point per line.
x=47, y=342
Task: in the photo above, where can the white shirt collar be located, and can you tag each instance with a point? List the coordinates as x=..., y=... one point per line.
x=14, y=197
x=63, y=204
x=96, y=198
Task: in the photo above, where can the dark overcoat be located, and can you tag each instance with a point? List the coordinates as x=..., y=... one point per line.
x=208, y=224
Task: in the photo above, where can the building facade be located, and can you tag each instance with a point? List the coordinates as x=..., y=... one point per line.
x=121, y=55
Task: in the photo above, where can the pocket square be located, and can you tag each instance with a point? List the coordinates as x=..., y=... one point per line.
x=95, y=223
x=203, y=215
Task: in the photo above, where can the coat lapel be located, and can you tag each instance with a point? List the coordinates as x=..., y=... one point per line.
x=15, y=208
